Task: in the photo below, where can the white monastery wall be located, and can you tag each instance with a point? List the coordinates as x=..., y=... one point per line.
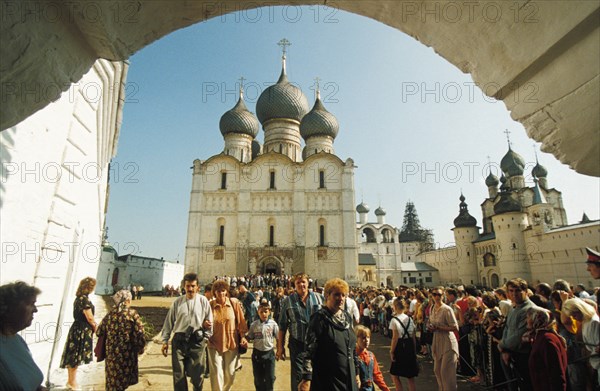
x=53, y=197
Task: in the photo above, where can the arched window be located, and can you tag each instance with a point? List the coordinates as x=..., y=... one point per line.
x=387, y=236
x=321, y=235
x=223, y=180
x=370, y=235
x=271, y=235
x=321, y=179
x=272, y=180
x=222, y=235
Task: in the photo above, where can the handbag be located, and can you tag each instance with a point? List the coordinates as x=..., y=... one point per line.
x=100, y=349
x=241, y=349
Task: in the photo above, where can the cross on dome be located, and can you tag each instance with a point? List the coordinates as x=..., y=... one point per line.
x=507, y=132
x=284, y=43
x=242, y=86
x=317, y=88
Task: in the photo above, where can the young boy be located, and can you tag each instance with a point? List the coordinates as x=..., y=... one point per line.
x=368, y=368
x=263, y=332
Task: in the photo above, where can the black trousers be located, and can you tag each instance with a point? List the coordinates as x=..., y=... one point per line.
x=263, y=368
x=187, y=359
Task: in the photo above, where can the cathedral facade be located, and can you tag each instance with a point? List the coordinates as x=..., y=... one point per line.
x=283, y=207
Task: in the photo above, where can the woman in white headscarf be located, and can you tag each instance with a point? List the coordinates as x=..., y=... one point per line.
x=124, y=340
x=586, y=314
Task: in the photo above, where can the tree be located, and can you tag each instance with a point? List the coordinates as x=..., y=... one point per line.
x=412, y=230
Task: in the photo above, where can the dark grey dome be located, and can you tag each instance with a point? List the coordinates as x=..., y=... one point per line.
x=362, y=208
x=507, y=204
x=239, y=120
x=491, y=180
x=281, y=100
x=379, y=211
x=539, y=171
x=464, y=219
x=319, y=122
x=512, y=163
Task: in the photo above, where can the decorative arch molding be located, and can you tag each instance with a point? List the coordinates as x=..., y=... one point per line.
x=494, y=278
x=560, y=117
x=269, y=264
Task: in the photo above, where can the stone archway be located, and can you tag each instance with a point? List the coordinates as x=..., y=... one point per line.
x=269, y=264
x=490, y=40
x=494, y=280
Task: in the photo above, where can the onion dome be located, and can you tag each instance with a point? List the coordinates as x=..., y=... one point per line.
x=492, y=180
x=379, y=211
x=281, y=100
x=539, y=171
x=512, y=163
x=507, y=204
x=362, y=208
x=239, y=120
x=319, y=122
x=464, y=219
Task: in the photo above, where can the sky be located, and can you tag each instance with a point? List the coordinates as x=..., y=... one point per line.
x=417, y=128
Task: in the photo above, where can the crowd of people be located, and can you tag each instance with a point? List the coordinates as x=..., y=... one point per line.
x=516, y=337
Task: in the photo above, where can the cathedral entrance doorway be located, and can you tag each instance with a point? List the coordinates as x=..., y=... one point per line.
x=269, y=265
x=494, y=280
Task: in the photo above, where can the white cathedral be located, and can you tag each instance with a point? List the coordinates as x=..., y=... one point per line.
x=279, y=207
x=285, y=208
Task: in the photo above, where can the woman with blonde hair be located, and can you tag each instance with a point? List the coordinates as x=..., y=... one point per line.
x=330, y=360
x=78, y=348
x=124, y=333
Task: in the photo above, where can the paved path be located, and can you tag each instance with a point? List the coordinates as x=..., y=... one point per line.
x=155, y=370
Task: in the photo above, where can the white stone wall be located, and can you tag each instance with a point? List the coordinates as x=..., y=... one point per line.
x=53, y=195
x=153, y=274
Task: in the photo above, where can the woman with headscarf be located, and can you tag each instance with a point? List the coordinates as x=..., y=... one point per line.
x=123, y=331
x=585, y=314
x=548, y=357
x=78, y=348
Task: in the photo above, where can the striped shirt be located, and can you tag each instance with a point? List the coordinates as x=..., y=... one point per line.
x=295, y=315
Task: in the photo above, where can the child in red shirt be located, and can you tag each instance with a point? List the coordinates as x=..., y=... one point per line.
x=369, y=371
